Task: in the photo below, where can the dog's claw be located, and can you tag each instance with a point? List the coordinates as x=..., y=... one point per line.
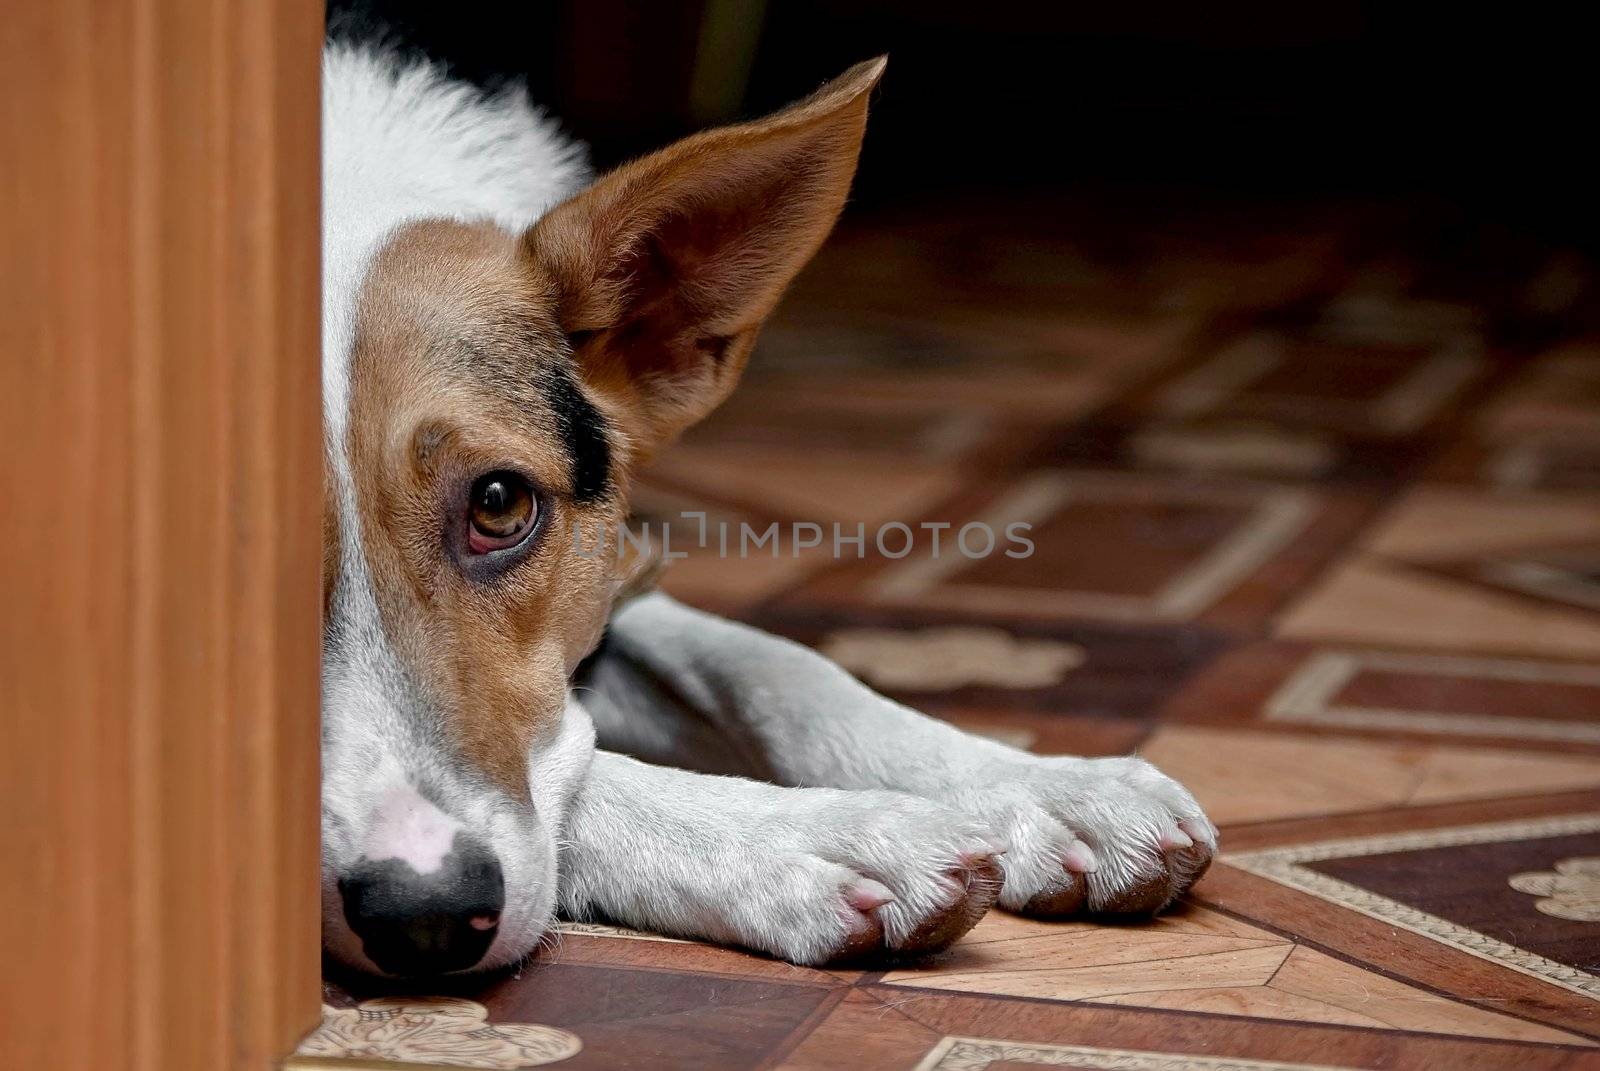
x=1080, y=859
x=868, y=895
x=1201, y=830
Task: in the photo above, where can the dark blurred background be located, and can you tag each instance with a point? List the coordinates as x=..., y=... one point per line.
x=1486, y=111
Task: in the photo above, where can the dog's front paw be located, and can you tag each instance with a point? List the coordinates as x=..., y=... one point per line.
x=1092, y=836
x=862, y=874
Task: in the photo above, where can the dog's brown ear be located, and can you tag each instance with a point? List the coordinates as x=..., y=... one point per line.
x=664, y=269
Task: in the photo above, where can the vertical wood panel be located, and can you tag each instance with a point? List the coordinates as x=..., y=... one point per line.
x=159, y=532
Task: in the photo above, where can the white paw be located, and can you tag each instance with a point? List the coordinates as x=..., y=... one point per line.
x=829, y=876
x=1091, y=836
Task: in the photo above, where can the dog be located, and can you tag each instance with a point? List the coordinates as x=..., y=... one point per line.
x=510, y=730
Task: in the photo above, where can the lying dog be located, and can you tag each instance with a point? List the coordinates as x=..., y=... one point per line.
x=503, y=347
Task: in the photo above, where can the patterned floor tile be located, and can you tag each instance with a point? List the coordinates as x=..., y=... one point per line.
x=1459, y=695
x=1447, y=524
x=1415, y=695
x=1295, y=776
x=1541, y=432
x=1557, y=397
x=1373, y=389
x=1066, y=368
x=894, y=1027
x=1415, y=956
x=785, y=483
x=1314, y=987
x=605, y=1016
x=1365, y=601
x=1177, y=550
x=664, y=1019
x=1458, y=887
x=709, y=566
x=1053, y=734
x=590, y=944
x=1053, y=669
x=849, y=425
x=1227, y=446
x=977, y=1054
x=1534, y=463
x=1111, y=547
x=1446, y=570
x=1200, y=961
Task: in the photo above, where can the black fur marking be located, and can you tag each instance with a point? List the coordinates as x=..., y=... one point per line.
x=583, y=431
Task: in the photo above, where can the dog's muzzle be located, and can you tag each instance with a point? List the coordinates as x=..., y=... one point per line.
x=422, y=924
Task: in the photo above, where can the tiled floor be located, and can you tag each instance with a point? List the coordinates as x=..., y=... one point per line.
x=1315, y=496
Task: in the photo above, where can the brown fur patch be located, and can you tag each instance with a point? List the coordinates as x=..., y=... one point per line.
x=659, y=276
x=454, y=344
x=666, y=268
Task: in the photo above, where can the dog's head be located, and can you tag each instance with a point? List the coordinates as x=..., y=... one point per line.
x=501, y=387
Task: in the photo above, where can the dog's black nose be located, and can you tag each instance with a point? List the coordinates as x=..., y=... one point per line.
x=417, y=924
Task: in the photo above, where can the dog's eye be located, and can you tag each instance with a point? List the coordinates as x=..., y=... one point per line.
x=500, y=512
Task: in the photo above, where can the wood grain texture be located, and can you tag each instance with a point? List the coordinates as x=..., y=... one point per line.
x=159, y=546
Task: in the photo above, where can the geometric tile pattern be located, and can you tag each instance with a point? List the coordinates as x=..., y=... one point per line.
x=1200, y=961
x=1301, y=776
x=979, y=1054
x=1314, y=497
x=1386, y=390
x=1227, y=534
x=422, y=1030
x=1465, y=696
x=1449, y=569
x=1311, y=868
x=1542, y=432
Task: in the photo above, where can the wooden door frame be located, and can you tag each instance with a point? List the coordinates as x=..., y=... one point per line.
x=160, y=532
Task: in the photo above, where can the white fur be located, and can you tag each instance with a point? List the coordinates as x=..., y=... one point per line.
x=402, y=143
x=802, y=720
x=753, y=864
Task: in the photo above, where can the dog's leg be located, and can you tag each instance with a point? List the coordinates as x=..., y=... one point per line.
x=811, y=875
x=1102, y=835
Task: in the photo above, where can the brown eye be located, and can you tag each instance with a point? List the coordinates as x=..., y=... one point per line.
x=500, y=512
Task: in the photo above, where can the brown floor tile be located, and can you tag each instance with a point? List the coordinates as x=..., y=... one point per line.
x=1469, y=571
x=1379, y=388
x=1398, y=694
x=1223, y=446
x=1367, y=601
x=1558, y=396
x=1124, y=548
x=781, y=482
x=1452, y=889
x=661, y=1019
x=1078, y=668
x=1054, y=734
x=1417, y=959
x=1287, y=832
x=1006, y=1033
x=1201, y=961
x=1535, y=463
x=1299, y=776
x=1474, y=886
x=592, y=945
